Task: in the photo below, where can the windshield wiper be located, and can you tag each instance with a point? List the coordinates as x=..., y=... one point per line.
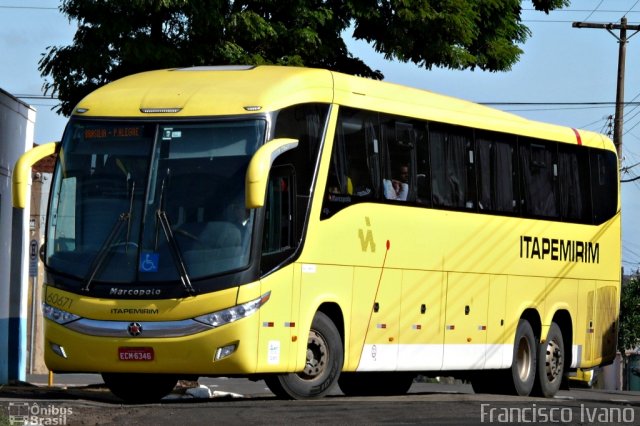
x=101, y=256
x=175, y=251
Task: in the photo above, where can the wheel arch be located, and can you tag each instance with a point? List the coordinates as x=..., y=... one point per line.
x=533, y=316
x=334, y=312
x=562, y=317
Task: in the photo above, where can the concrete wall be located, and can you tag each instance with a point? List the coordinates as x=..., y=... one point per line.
x=17, y=124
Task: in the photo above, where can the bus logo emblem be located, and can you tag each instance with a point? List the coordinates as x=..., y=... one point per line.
x=134, y=329
x=366, y=241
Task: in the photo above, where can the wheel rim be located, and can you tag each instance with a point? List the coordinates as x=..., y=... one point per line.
x=554, y=360
x=317, y=350
x=523, y=359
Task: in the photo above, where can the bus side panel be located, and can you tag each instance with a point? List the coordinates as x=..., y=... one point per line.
x=583, y=332
x=523, y=293
x=364, y=283
x=499, y=342
x=606, y=314
x=382, y=288
x=276, y=320
x=466, y=321
x=421, y=321
x=562, y=294
x=320, y=284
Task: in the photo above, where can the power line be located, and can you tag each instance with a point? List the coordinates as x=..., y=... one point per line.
x=628, y=11
x=39, y=97
x=594, y=10
x=29, y=7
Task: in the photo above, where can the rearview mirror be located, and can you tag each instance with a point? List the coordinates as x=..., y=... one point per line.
x=22, y=171
x=259, y=167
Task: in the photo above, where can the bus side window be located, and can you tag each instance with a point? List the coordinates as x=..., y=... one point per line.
x=354, y=168
x=451, y=154
x=495, y=173
x=278, y=235
x=399, y=141
x=539, y=178
x=604, y=185
x=573, y=169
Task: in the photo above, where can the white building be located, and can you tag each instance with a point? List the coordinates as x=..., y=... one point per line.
x=17, y=123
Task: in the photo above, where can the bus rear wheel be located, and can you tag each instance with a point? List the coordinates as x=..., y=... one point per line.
x=323, y=365
x=520, y=378
x=136, y=388
x=523, y=367
x=375, y=384
x=551, y=362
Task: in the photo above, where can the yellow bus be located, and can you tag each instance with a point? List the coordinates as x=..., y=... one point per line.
x=311, y=228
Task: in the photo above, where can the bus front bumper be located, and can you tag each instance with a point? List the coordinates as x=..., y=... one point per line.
x=227, y=350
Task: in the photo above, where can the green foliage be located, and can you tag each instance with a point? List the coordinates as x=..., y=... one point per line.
x=4, y=419
x=629, y=328
x=121, y=37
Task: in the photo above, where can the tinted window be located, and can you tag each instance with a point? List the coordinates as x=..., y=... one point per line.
x=538, y=178
x=495, y=167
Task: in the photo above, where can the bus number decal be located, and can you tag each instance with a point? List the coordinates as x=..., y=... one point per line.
x=274, y=352
x=366, y=241
x=59, y=301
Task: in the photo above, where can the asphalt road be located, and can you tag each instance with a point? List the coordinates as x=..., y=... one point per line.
x=83, y=400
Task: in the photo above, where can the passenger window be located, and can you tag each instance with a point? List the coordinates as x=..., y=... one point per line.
x=604, y=185
x=399, y=140
x=573, y=169
x=539, y=178
x=496, y=173
x=451, y=154
x=354, y=171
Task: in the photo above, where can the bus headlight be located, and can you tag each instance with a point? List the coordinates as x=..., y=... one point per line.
x=229, y=315
x=58, y=315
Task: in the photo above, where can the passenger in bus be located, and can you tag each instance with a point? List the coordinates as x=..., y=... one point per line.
x=397, y=189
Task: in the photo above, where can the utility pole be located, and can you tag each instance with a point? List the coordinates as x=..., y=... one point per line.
x=622, y=41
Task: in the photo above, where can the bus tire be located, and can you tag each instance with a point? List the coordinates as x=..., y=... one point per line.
x=551, y=363
x=375, y=384
x=325, y=357
x=523, y=367
x=139, y=388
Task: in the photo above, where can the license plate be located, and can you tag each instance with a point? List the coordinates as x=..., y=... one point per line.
x=135, y=354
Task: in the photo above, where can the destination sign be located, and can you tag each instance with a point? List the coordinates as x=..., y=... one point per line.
x=113, y=132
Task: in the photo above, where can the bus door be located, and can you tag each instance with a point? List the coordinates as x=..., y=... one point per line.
x=465, y=327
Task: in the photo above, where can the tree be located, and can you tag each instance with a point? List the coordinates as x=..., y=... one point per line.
x=120, y=37
x=629, y=325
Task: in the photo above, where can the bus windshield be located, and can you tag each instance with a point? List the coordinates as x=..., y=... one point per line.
x=151, y=202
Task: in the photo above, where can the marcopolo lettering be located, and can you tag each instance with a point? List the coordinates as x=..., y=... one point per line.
x=115, y=291
x=559, y=249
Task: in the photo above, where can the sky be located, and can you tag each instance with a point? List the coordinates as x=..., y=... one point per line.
x=560, y=64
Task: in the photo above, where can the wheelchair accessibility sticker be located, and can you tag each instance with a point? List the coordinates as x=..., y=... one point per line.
x=149, y=262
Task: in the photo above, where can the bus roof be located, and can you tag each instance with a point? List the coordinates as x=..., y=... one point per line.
x=237, y=90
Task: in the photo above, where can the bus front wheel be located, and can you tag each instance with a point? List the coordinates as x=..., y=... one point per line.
x=136, y=388
x=322, y=368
